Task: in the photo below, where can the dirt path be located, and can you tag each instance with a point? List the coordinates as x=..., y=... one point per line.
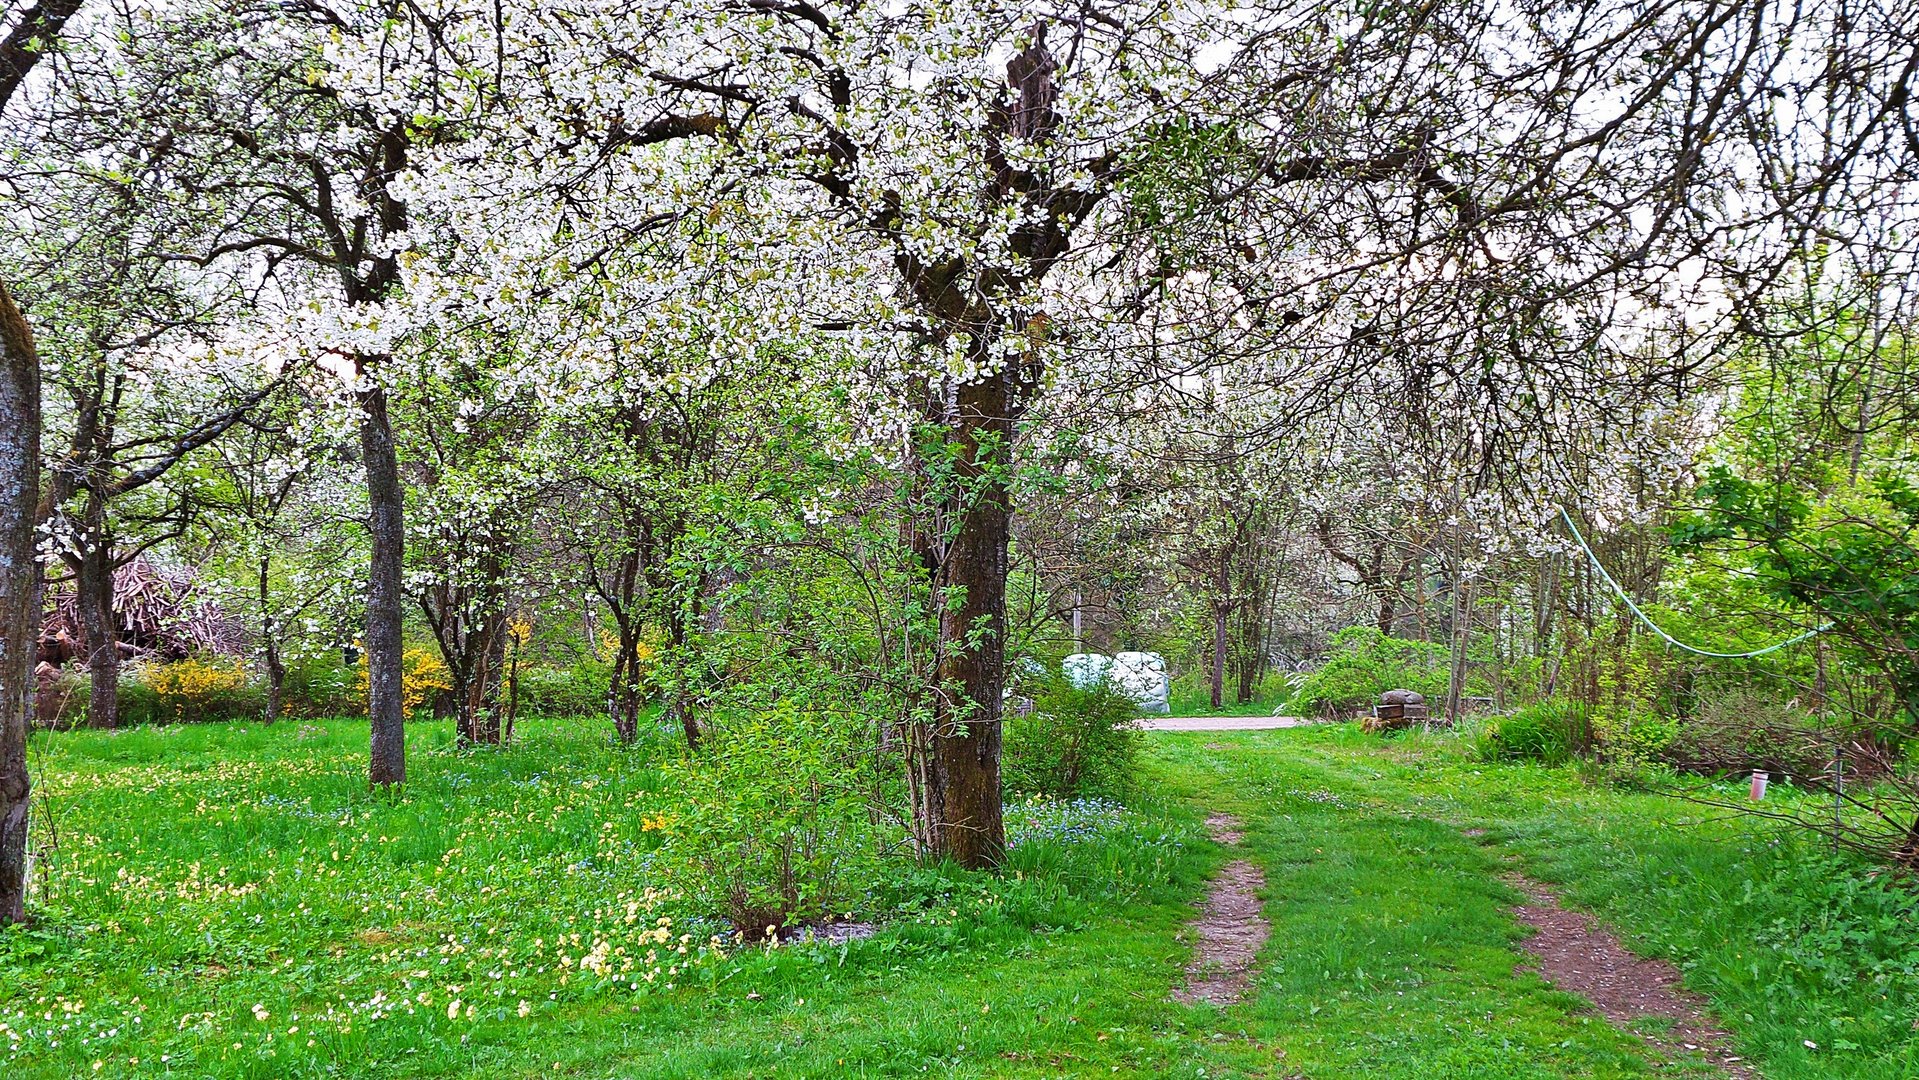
x=1580, y=956
x=1220, y=723
x=1231, y=927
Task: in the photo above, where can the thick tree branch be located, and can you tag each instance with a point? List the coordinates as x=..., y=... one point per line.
x=30, y=39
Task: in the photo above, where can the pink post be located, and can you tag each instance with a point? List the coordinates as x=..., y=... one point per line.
x=1759, y=779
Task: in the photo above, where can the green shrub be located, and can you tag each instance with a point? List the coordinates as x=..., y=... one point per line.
x=319, y=686
x=138, y=704
x=1076, y=741
x=1365, y=664
x=1826, y=927
x=772, y=822
x=1191, y=692
x=577, y=691
x=1549, y=732
x=1633, y=739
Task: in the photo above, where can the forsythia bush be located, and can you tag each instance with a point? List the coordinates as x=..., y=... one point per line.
x=422, y=674
x=188, y=691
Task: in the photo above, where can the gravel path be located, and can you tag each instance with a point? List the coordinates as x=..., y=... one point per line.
x=1220, y=723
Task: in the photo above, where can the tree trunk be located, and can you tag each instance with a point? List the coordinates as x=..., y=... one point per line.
x=957, y=773
x=1218, y=684
x=1461, y=620
x=19, y=592
x=623, y=688
x=276, y=668
x=469, y=621
x=493, y=730
x=626, y=711
x=1419, y=599
x=93, y=596
x=1499, y=657
x=480, y=696
x=678, y=710
x=1376, y=580
x=1250, y=649
x=276, y=683
x=386, y=707
x=512, y=688
x=1545, y=599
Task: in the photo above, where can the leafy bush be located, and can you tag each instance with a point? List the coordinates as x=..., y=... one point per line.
x=772, y=822
x=1365, y=664
x=1629, y=740
x=1824, y=944
x=1850, y=928
x=574, y=691
x=1076, y=741
x=321, y=685
x=1549, y=732
x=1191, y=693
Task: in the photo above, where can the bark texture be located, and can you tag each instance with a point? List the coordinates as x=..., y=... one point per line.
x=28, y=41
x=94, y=585
x=19, y=592
x=956, y=766
x=385, y=591
x=276, y=668
x=622, y=586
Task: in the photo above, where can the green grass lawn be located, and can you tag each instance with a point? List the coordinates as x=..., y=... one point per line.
x=205, y=871
x=1192, y=695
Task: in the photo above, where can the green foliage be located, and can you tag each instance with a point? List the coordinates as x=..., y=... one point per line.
x=1170, y=184
x=320, y=685
x=1365, y=663
x=1822, y=931
x=1628, y=742
x=772, y=821
x=576, y=691
x=1624, y=683
x=1076, y=741
x=1549, y=732
x=1847, y=554
x=1191, y=694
